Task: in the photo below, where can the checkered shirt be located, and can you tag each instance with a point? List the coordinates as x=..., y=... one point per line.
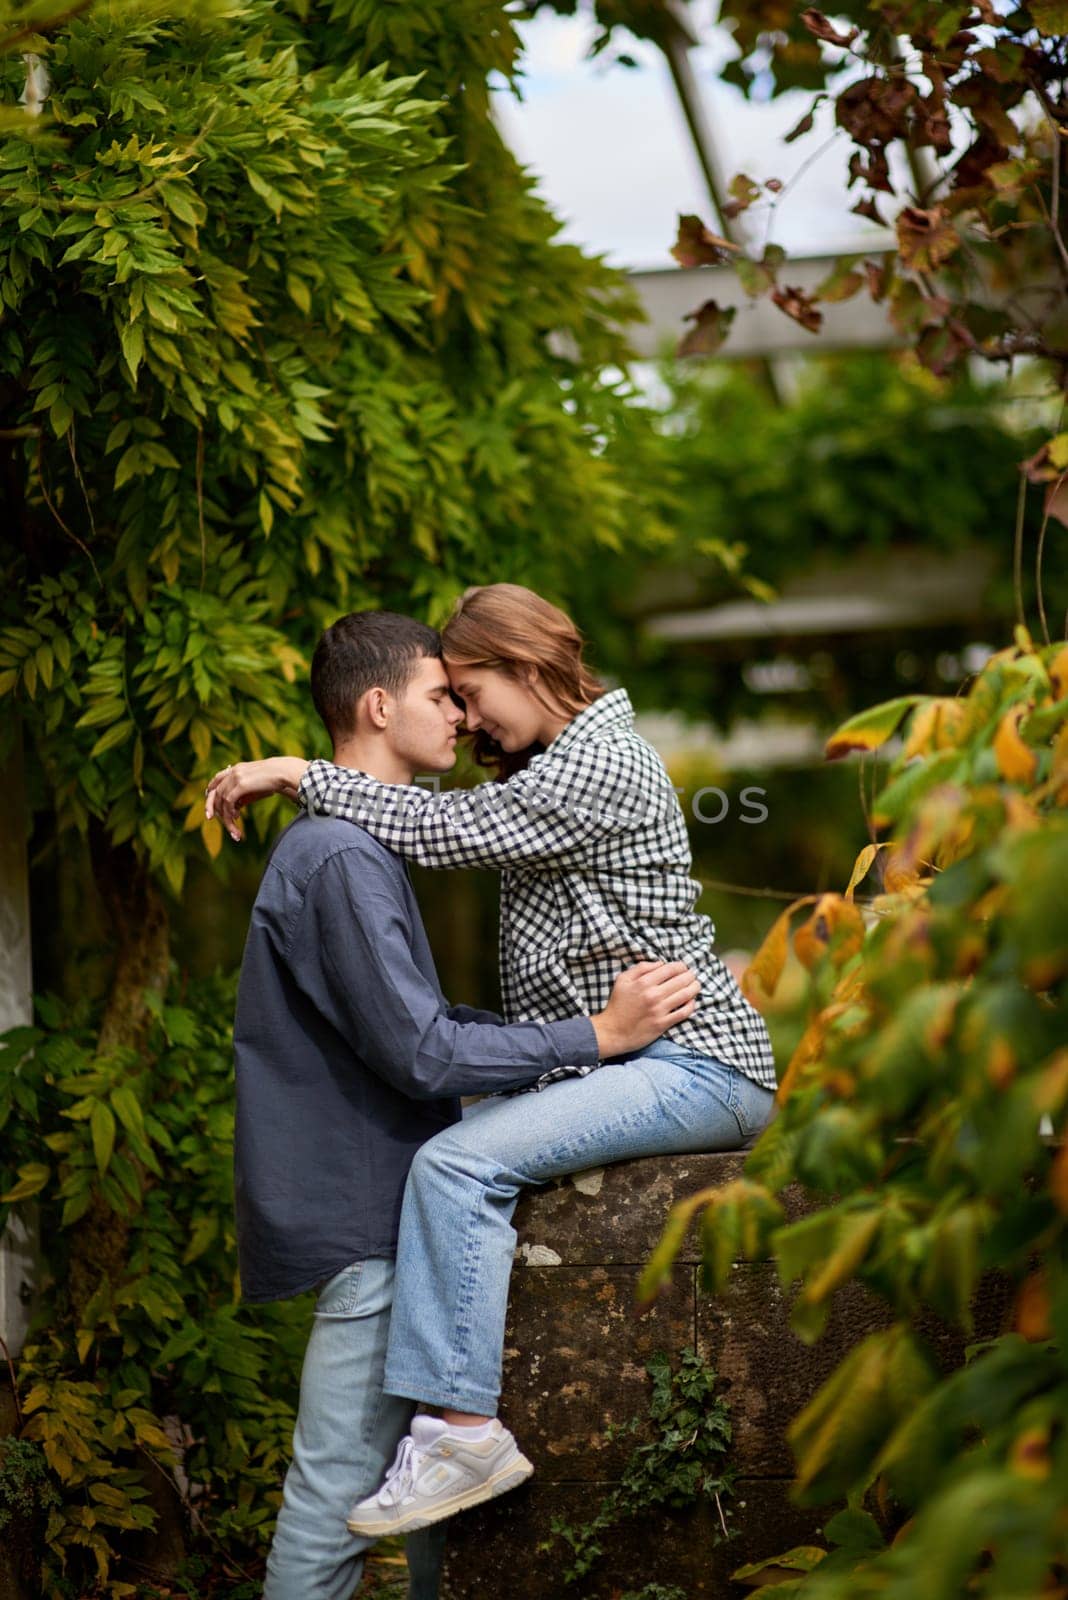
x=595, y=867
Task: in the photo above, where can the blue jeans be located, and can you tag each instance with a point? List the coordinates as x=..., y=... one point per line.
x=347, y=1431
x=457, y=1243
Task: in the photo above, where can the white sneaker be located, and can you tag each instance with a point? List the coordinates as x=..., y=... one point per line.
x=437, y=1472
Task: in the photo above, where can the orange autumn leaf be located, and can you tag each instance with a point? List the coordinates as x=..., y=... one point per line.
x=765, y=969
x=1031, y=1313
x=1051, y=1090
x=835, y=924
x=1016, y=761
x=1058, y=673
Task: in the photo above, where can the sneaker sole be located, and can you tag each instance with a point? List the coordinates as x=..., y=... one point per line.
x=509, y=1477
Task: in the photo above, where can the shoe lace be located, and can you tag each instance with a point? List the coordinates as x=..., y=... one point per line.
x=400, y=1478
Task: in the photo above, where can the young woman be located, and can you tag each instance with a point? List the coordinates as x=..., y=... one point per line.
x=589, y=837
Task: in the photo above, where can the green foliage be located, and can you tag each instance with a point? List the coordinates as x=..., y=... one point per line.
x=125, y=1346
x=932, y=1033
x=275, y=344
x=866, y=461
x=683, y=1462
x=820, y=475
x=284, y=332
x=25, y=1485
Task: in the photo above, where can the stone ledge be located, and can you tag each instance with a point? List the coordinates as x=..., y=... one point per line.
x=613, y=1216
x=575, y=1356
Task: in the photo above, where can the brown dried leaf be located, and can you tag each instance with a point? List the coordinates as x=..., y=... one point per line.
x=942, y=347
x=875, y=172
x=971, y=170
x=743, y=192
x=874, y=111
x=711, y=325
x=926, y=238
x=1057, y=501
x=879, y=275
x=868, y=208
x=697, y=246
x=800, y=128
x=988, y=101
x=932, y=124
x=798, y=305
x=818, y=24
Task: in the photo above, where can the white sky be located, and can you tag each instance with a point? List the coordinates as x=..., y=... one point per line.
x=614, y=156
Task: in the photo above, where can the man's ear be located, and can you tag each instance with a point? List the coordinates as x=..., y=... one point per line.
x=373, y=710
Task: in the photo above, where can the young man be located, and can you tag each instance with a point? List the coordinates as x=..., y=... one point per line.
x=347, y=1060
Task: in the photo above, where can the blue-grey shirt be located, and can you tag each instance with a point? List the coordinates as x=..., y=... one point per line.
x=348, y=1057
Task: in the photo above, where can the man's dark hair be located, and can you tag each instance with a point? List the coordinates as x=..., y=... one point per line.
x=366, y=650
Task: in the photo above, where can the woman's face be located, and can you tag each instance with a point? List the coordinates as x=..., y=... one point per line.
x=501, y=705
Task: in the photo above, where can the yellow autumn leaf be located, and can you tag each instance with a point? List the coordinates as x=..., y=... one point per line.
x=935, y=725
x=862, y=866
x=765, y=969
x=212, y=835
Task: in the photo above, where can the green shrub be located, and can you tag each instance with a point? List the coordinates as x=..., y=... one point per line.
x=932, y=1048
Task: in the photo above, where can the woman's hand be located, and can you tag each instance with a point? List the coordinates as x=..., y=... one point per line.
x=646, y=1000
x=238, y=786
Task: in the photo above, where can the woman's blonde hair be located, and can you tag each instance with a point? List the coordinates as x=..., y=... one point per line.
x=509, y=628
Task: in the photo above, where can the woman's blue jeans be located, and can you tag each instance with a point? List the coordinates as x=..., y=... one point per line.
x=346, y=1434
x=457, y=1243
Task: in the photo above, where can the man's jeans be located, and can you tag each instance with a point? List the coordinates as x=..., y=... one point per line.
x=346, y=1434
x=457, y=1243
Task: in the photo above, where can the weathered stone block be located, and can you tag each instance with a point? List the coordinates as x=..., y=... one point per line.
x=495, y=1552
x=574, y=1362
x=614, y=1216
x=575, y=1355
x=767, y=1372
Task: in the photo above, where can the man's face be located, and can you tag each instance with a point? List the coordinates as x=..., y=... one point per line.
x=422, y=729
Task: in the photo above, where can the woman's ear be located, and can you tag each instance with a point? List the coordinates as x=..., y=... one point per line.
x=530, y=674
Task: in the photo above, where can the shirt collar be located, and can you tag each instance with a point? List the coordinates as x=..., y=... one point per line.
x=613, y=711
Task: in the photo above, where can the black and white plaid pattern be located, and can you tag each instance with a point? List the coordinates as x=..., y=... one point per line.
x=595, y=875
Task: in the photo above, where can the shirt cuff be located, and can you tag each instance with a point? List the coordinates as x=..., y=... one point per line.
x=576, y=1041
x=306, y=786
